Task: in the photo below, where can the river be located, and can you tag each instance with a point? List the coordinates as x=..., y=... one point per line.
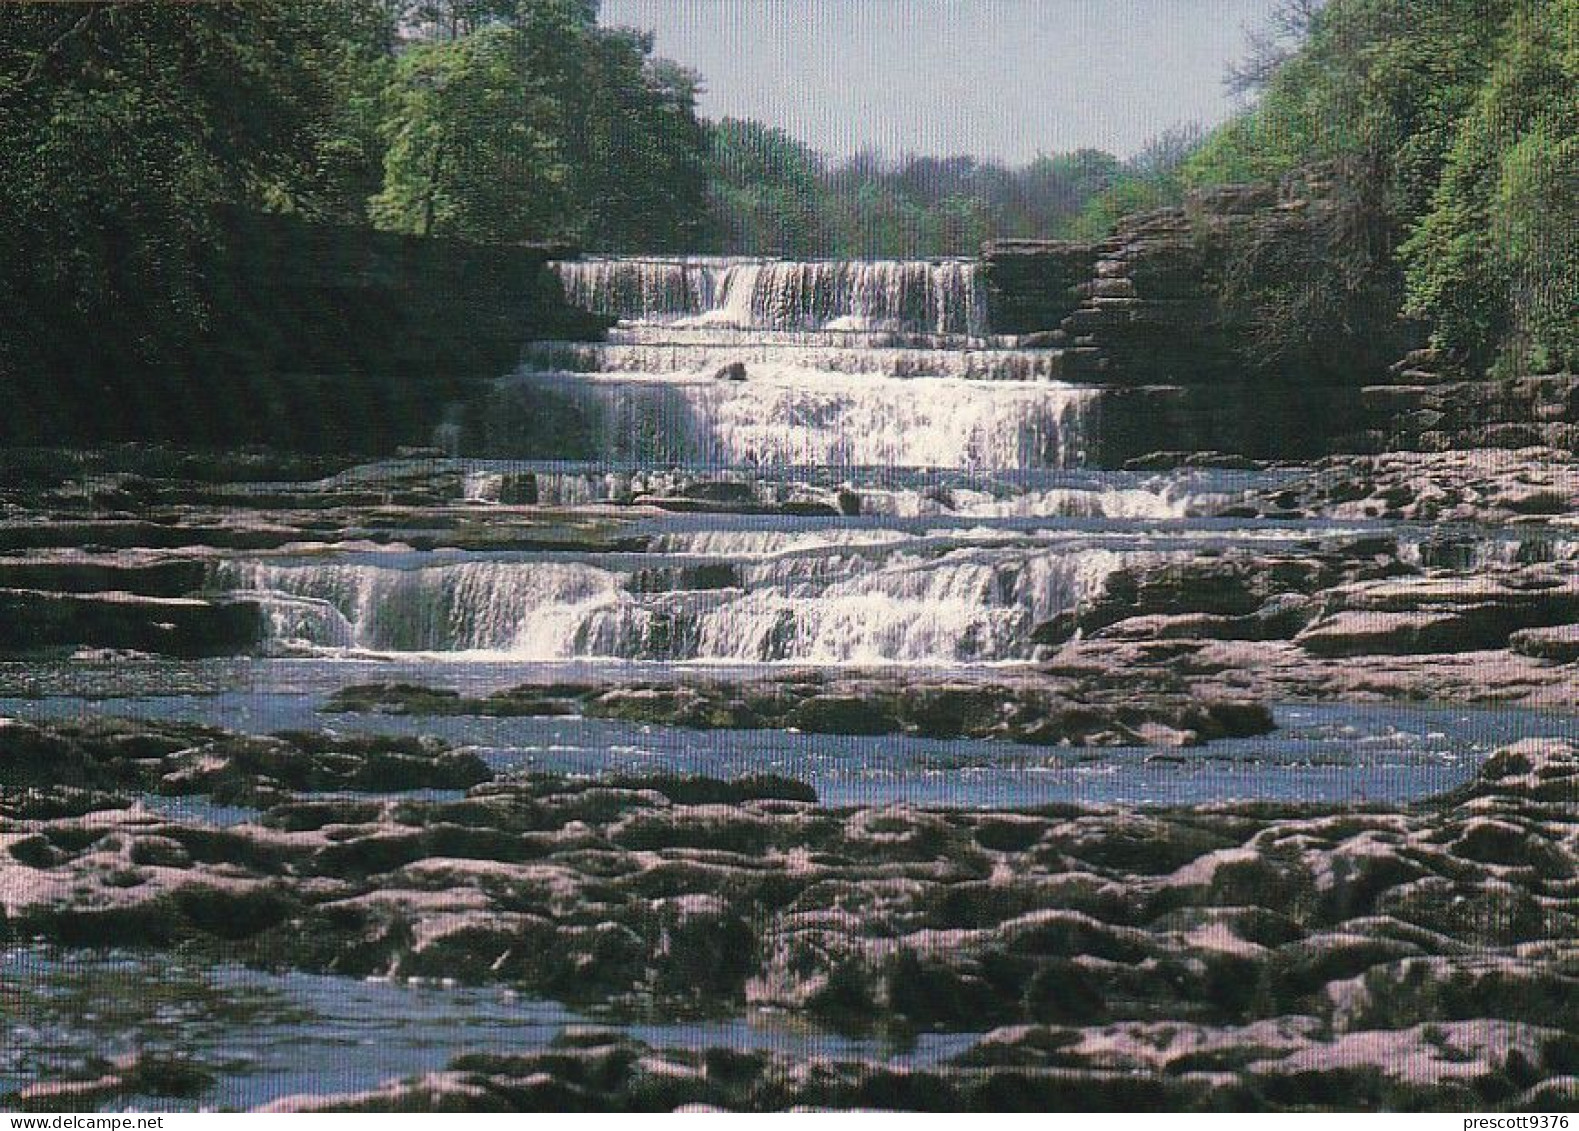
x=831, y=466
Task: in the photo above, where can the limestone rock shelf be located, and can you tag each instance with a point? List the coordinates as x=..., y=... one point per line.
x=1232, y=955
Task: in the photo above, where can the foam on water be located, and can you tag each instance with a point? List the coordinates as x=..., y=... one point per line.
x=943, y=297
x=877, y=602
x=784, y=415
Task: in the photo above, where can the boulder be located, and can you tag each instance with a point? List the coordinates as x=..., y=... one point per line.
x=1558, y=644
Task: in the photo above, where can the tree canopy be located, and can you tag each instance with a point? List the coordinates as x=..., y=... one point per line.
x=126, y=130
x=1451, y=131
x=122, y=127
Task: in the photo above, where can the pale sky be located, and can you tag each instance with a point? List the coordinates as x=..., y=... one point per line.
x=1002, y=79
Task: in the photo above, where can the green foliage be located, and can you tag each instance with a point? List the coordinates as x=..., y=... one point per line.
x=1494, y=262
x=1153, y=178
x=1447, y=130
x=122, y=127
x=1238, y=152
x=770, y=194
x=639, y=152
x=1450, y=126
x=765, y=191
x=526, y=121
x=472, y=151
x=1316, y=295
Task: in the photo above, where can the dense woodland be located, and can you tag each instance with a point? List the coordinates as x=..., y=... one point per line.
x=127, y=130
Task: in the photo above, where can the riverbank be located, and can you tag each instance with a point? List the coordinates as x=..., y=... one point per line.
x=317, y=338
x=846, y=700
x=1222, y=956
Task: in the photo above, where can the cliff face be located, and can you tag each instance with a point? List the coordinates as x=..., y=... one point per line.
x=1031, y=284
x=319, y=338
x=1160, y=318
x=1143, y=313
x=1429, y=405
x=1160, y=302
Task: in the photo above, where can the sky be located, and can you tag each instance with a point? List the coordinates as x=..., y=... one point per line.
x=991, y=79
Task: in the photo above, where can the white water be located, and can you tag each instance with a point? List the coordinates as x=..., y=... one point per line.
x=783, y=415
x=730, y=363
x=905, y=602
x=942, y=297
x=683, y=350
x=879, y=493
x=869, y=387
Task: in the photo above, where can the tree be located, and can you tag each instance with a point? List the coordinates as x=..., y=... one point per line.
x=1149, y=180
x=1271, y=45
x=122, y=128
x=638, y=165
x=472, y=151
x=1494, y=262
x=1444, y=130
x=531, y=122
x=766, y=191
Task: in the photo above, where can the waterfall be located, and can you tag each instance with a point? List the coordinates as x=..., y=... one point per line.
x=880, y=602
x=935, y=297
x=768, y=390
x=539, y=610
x=785, y=417
x=765, y=363
x=642, y=289
x=632, y=350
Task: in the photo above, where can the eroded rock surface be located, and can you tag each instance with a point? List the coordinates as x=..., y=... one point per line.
x=1438, y=614
x=1040, y=713
x=1482, y=485
x=1283, y=1065
x=1250, y=954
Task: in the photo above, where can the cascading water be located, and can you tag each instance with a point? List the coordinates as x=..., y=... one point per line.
x=785, y=416
x=733, y=385
x=728, y=363
x=938, y=297
x=915, y=600
x=643, y=289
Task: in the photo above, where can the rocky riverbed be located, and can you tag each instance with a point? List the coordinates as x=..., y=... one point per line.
x=1257, y=950
x=1225, y=956
x=1033, y=712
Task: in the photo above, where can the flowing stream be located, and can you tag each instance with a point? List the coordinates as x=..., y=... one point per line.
x=829, y=465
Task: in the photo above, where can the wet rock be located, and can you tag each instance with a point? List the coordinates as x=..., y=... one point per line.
x=1468, y=486
x=1133, y=842
x=32, y=620
x=1238, y=596
x=1376, y=633
x=1559, y=644
x=1043, y=716
x=93, y=751
x=1438, y=614
x=1249, y=953
x=1534, y=772
x=694, y=789
x=436, y=1092
x=726, y=492
x=1288, y=1063
x=527, y=700
x=704, y=948
x=841, y=714
x=124, y=1079
x=238, y=768
x=50, y=803
x=143, y=575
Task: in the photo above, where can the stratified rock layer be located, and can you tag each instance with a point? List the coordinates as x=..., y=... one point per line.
x=1234, y=955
